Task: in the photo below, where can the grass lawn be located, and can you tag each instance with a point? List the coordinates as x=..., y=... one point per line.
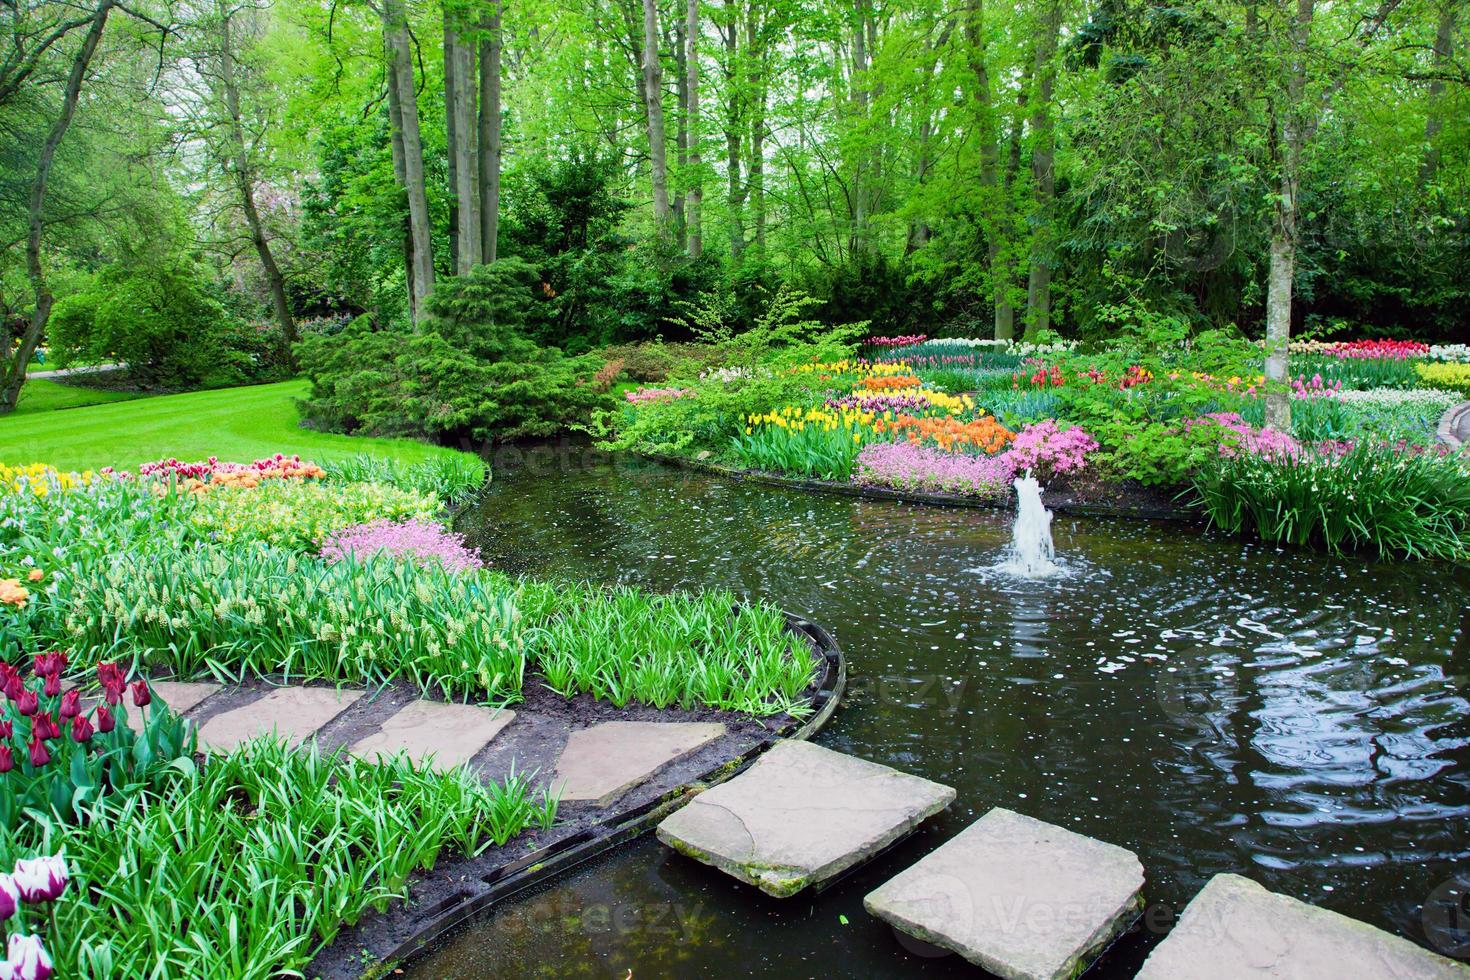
x=48, y=396
x=238, y=424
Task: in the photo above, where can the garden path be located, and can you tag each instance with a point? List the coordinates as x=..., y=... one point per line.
x=586, y=760
x=67, y=372
x=1454, y=427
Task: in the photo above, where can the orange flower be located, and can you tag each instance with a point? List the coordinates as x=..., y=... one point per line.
x=35, y=575
x=950, y=434
x=12, y=593
x=891, y=382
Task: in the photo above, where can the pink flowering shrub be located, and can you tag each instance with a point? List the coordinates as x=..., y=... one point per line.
x=414, y=539
x=907, y=466
x=1238, y=436
x=643, y=395
x=1047, y=450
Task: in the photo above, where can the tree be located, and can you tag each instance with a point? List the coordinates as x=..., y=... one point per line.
x=404, y=113
x=653, y=97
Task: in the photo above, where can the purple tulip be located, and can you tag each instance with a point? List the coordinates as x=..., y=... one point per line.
x=40, y=755
x=28, y=959
x=9, y=897
x=27, y=703
x=7, y=759
x=71, y=704
x=52, y=685
x=81, y=729
x=41, y=879
x=141, y=695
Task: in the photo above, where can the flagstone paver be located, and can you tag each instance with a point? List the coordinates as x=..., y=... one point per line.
x=602, y=762
x=1024, y=899
x=801, y=815
x=182, y=696
x=1235, y=930
x=291, y=713
x=450, y=734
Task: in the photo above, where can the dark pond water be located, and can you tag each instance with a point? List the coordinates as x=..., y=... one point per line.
x=1212, y=705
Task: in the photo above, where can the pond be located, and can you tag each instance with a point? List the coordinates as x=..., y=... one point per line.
x=1210, y=704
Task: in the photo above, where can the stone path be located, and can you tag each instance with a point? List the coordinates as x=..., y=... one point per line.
x=800, y=816
x=1454, y=426
x=65, y=372
x=1022, y=898
x=595, y=765
x=1235, y=930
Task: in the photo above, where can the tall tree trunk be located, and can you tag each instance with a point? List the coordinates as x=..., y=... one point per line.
x=466, y=180
x=451, y=134
x=681, y=134
x=995, y=196
x=1043, y=174
x=395, y=25
x=1434, y=121
x=653, y=98
x=734, y=116
x=244, y=179
x=695, y=217
x=20, y=355
x=859, y=242
x=395, y=143
x=1288, y=137
x=489, y=155
x=756, y=55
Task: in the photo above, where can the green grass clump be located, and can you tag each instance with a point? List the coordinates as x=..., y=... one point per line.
x=250, y=865
x=1410, y=504
x=453, y=478
x=624, y=645
x=239, y=424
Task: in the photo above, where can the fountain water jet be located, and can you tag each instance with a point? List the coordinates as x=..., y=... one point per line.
x=1031, y=550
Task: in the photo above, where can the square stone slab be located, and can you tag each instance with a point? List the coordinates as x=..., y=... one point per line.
x=801, y=816
x=448, y=734
x=1235, y=929
x=180, y=696
x=604, y=761
x=291, y=713
x=1022, y=898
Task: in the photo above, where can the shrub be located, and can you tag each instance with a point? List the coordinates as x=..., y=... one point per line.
x=1392, y=502
x=1448, y=376
x=1045, y=451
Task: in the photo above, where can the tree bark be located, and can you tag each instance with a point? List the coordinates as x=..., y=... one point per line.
x=395, y=144
x=994, y=198
x=653, y=98
x=245, y=179
x=463, y=158
x=451, y=135
x=859, y=241
x=1434, y=121
x=681, y=134
x=695, y=216
x=20, y=356
x=395, y=26
x=489, y=155
x=1043, y=174
x=755, y=54
x=734, y=93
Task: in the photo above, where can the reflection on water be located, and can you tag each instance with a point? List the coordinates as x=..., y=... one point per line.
x=1212, y=705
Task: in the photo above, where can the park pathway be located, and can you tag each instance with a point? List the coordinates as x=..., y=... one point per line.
x=53, y=373
x=1454, y=426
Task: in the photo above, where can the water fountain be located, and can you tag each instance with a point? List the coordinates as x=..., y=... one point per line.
x=1032, y=551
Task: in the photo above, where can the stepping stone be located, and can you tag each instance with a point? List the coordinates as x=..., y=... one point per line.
x=181, y=696
x=1024, y=899
x=449, y=735
x=801, y=816
x=602, y=762
x=1235, y=929
x=291, y=713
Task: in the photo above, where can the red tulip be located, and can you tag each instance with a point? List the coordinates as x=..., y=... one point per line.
x=141, y=695
x=111, y=677
x=44, y=726
x=71, y=704
x=81, y=729
x=6, y=728
x=39, y=754
x=7, y=759
x=105, y=721
x=27, y=703
x=52, y=687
